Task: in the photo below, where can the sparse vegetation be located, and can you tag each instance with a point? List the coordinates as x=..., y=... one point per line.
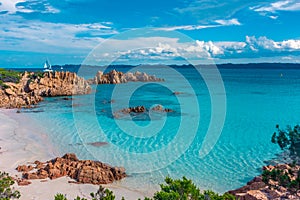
x=287, y=139
x=6, y=190
x=35, y=75
x=8, y=76
x=185, y=189
x=174, y=189
x=277, y=177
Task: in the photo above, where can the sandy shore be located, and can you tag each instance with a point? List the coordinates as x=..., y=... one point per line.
x=22, y=142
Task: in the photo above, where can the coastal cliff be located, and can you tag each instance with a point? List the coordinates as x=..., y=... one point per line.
x=32, y=87
x=117, y=77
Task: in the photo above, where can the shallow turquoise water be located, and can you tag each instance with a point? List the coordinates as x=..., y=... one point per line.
x=153, y=146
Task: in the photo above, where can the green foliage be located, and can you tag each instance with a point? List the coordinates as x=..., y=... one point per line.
x=9, y=76
x=103, y=194
x=60, y=197
x=288, y=139
x=281, y=178
x=63, y=197
x=6, y=192
x=185, y=190
x=3, y=85
x=36, y=75
x=179, y=189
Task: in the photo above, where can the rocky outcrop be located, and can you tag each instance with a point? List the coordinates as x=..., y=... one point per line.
x=139, y=110
x=83, y=171
x=116, y=77
x=31, y=89
x=160, y=108
x=260, y=189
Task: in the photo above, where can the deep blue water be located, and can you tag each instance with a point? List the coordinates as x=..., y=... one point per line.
x=153, y=145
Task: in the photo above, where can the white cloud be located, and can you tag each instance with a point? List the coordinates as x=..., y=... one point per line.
x=229, y=22
x=186, y=27
x=9, y=6
x=220, y=23
x=26, y=6
x=285, y=5
x=273, y=17
x=37, y=36
x=263, y=43
x=171, y=49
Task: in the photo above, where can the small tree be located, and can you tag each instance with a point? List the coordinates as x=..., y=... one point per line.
x=6, y=192
x=185, y=189
x=288, y=139
x=103, y=194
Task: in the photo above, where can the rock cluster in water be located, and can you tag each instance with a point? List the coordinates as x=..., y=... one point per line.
x=141, y=109
x=31, y=89
x=83, y=171
x=257, y=189
x=116, y=77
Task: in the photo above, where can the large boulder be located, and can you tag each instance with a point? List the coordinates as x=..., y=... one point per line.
x=83, y=171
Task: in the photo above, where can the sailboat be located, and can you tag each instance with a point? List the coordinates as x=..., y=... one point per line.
x=47, y=67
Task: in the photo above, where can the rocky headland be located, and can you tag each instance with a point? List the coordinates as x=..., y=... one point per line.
x=117, y=77
x=82, y=171
x=32, y=87
x=276, y=183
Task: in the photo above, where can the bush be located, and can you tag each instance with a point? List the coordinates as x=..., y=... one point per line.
x=36, y=75
x=9, y=76
x=185, y=190
x=3, y=85
x=101, y=194
x=288, y=139
x=281, y=178
x=6, y=192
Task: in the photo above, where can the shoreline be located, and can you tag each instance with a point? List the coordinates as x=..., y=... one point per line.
x=22, y=142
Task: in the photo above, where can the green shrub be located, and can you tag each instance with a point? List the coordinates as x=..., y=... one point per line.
x=3, y=85
x=60, y=197
x=36, y=75
x=103, y=194
x=282, y=178
x=9, y=76
x=6, y=191
x=178, y=189
x=288, y=139
x=185, y=189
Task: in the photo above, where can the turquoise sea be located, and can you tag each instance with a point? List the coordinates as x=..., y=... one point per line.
x=153, y=145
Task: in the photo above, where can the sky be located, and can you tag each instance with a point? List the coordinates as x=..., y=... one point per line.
x=148, y=31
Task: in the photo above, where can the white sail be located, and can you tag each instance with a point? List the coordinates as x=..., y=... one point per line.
x=47, y=67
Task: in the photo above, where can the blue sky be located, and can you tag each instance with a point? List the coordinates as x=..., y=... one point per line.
x=133, y=32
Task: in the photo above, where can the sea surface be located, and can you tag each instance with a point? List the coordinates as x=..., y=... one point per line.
x=154, y=145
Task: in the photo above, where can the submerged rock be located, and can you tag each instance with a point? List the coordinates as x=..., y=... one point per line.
x=160, y=108
x=140, y=110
